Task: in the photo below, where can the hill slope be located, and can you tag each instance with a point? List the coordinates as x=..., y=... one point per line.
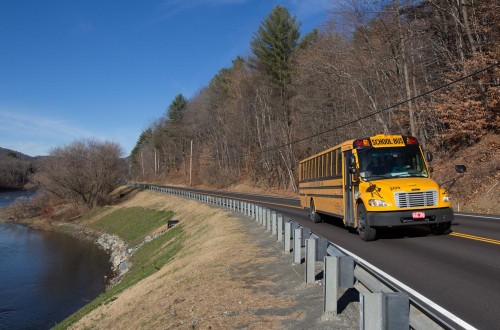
x=228, y=274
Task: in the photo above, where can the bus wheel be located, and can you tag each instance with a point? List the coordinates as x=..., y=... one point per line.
x=315, y=217
x=441, y=228
x=366, y=233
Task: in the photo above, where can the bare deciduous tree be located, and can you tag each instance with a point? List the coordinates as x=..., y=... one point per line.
x=83, y=172
x=372, y=56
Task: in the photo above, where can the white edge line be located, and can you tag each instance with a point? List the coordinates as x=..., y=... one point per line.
x=422, y=298
x=477, y=216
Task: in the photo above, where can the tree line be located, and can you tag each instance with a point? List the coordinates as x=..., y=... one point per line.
x=370, y=56
x=15, y=171
x=79, y=175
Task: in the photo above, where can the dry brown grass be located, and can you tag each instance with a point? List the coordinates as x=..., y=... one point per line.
x=214, y=282
x=477, y=191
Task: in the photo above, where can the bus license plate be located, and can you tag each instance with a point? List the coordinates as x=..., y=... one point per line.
x=418, y=215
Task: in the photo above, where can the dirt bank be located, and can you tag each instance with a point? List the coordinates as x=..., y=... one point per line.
x=229, y=274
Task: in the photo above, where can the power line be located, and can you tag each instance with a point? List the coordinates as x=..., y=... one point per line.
x=373, y=113
x=363, y=117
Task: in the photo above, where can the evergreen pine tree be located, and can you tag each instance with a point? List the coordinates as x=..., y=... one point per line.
x=176, y=108
x=273, y=45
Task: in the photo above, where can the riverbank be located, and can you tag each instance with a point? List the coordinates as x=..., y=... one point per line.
x=213, y=269
x=221, y=270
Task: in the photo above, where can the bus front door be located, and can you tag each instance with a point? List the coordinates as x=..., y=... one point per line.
x=348, y=191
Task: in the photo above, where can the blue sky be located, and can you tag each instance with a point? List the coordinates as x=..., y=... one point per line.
x=105, y=69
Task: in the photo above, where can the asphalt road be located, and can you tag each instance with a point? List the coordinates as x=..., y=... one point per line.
x=460, y=271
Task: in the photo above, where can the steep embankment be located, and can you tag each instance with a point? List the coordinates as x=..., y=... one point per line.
x=477, y=191
x=218, y=276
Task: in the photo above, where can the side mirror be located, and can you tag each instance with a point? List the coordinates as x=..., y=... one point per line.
x=352, y=161
x=460, y=168
x=428, y=156
x=365, y=174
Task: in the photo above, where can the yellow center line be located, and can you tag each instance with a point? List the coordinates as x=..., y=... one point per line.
x=476, y=238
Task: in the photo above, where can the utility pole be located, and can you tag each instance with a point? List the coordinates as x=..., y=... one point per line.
x=191, y=166
x=156, y=170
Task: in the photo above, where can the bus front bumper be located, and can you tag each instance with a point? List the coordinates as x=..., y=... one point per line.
x=410, y=218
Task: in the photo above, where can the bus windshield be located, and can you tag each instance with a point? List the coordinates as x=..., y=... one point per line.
x=393, y=162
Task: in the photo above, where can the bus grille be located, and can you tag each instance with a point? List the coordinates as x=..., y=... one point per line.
x=416, y=199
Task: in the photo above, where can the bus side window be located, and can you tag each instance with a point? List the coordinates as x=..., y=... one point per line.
x=325, y=166
x=332, y=163
x=339, y=162
x=315, y=166
x=328, y=164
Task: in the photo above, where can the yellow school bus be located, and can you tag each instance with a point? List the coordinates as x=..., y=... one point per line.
x=373, y=182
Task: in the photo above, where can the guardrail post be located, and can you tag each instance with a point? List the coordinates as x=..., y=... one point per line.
x=310, y=275
x=268, y=220
x=297, y=246
x=280, y=228
x=384, y=310
x=322, y=248
x=338, y=273
x=273, y=223
x=263, y=216
x=288, y=235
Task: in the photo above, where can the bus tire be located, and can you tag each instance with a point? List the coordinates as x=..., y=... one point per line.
x=441, y=228
x=366, y=233
x=315, y=216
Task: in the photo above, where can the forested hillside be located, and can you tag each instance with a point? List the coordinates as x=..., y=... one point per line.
x=426, y=68
x=15, y=169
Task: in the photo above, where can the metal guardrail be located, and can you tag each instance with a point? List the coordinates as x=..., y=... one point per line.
x=385, y=303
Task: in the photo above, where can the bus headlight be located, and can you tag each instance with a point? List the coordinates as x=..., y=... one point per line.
x=446, y=199
x=377, y=202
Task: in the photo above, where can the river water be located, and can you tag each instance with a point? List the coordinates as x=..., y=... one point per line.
x=46, y=276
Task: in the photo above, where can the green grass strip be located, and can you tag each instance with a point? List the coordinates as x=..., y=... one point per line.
x=133, y=224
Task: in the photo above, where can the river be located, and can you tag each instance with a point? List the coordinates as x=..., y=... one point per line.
x=46, y=276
